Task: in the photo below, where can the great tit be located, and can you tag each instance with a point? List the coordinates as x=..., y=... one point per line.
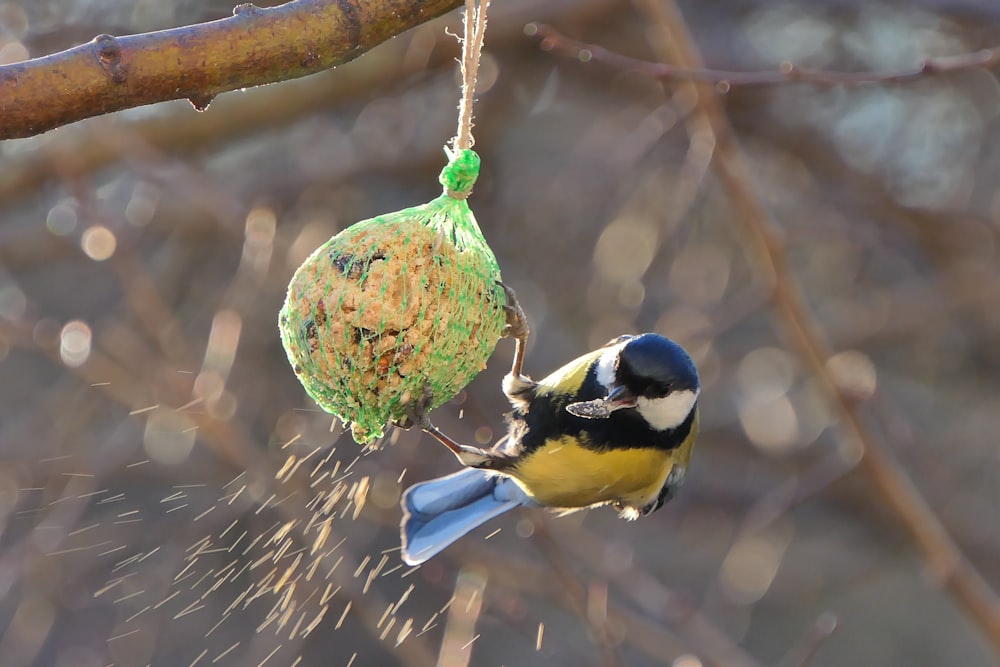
x=612, y=427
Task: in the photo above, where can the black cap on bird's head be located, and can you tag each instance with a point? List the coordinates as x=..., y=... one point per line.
x=653, y=366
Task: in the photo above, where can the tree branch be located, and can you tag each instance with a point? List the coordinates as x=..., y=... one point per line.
x=552, y=40
x=253, y=47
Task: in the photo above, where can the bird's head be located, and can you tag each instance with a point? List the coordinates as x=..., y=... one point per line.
x=650, y=373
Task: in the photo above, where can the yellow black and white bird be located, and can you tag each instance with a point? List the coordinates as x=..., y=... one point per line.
x=612, y=427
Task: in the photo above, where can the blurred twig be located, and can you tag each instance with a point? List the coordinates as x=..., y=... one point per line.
x=665, y=623
x=803, y=654
x=553, y=40
x=253, y=47
x=673, y=611
x=577, y=594
x=941, y=554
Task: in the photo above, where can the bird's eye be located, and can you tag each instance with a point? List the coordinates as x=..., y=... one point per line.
x=661, y=388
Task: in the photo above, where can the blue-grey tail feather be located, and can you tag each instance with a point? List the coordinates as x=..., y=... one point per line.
x=439, y=511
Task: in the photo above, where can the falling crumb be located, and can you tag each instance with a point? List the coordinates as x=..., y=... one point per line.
x=128, y=597
x=324, y=533
x=283, y=531
x=430, y=622
x=313, y=623
x=388, y=628
x=343, y=616
x=295, y=628
x=328, y=594
x=124, y=634
x=405, y=631
x=360, y=495
x=190, y=609
x=269, y=656
x=364, y=563
x=388, y=611
x=289, y=462
x=218, y=623
x=225, y=653
x=204, y=514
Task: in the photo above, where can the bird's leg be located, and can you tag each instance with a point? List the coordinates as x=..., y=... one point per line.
x=516, y=384
x=516, y=327
x=471, y=457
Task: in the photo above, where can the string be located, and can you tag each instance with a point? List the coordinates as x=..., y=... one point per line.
x=472, y=47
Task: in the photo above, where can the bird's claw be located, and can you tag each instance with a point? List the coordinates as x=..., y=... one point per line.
x=416, y=415
x=416, y=411
x=517, y=321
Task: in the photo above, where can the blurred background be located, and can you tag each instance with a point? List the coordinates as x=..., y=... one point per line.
x=170, y=496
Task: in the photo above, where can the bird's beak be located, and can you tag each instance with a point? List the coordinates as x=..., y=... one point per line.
x=601, y=408
x=619, y=397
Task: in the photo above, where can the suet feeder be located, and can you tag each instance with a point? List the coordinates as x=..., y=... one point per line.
x=398, y=308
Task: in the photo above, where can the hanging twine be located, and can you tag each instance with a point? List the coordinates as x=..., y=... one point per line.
x=460, y=174
x=472, y=49
x=402, y=307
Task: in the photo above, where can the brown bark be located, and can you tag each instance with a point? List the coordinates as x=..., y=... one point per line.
x=253, y=47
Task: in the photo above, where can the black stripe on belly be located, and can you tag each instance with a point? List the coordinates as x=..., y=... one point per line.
x=546, y=418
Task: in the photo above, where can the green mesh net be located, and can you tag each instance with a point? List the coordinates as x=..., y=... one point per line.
x=396, y=308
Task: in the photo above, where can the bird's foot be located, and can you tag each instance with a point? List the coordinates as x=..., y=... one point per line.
x=517, y=322
x=416, y=415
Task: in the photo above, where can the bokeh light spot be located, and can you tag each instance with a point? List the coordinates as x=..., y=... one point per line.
x=261, y=223
x=771, y=423
x=46, y=332
x=700, y=274
x=13, y=20
x=12, y=302
x=749, y=569
x=854, y=372
x=632, y=294
x=484, y=435
x=99, y=243
x=525, y=528
x=766, y=373
x=61, y=219
x=385, y=490
x=74, y=343
x=686, y=660
x=142, y=204
x=224, y=407
x=169, y=437
x=13, y=52
x=625, y=250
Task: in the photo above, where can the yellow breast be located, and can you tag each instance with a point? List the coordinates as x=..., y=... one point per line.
x=562, y=473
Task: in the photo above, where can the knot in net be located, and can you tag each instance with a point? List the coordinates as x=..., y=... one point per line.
x=396, y=308
x=460, y=174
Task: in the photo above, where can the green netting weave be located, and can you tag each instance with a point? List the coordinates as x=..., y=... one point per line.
x=394, y=306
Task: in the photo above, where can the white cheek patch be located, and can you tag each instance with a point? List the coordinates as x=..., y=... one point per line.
x=606, y=364
x=668, y=412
